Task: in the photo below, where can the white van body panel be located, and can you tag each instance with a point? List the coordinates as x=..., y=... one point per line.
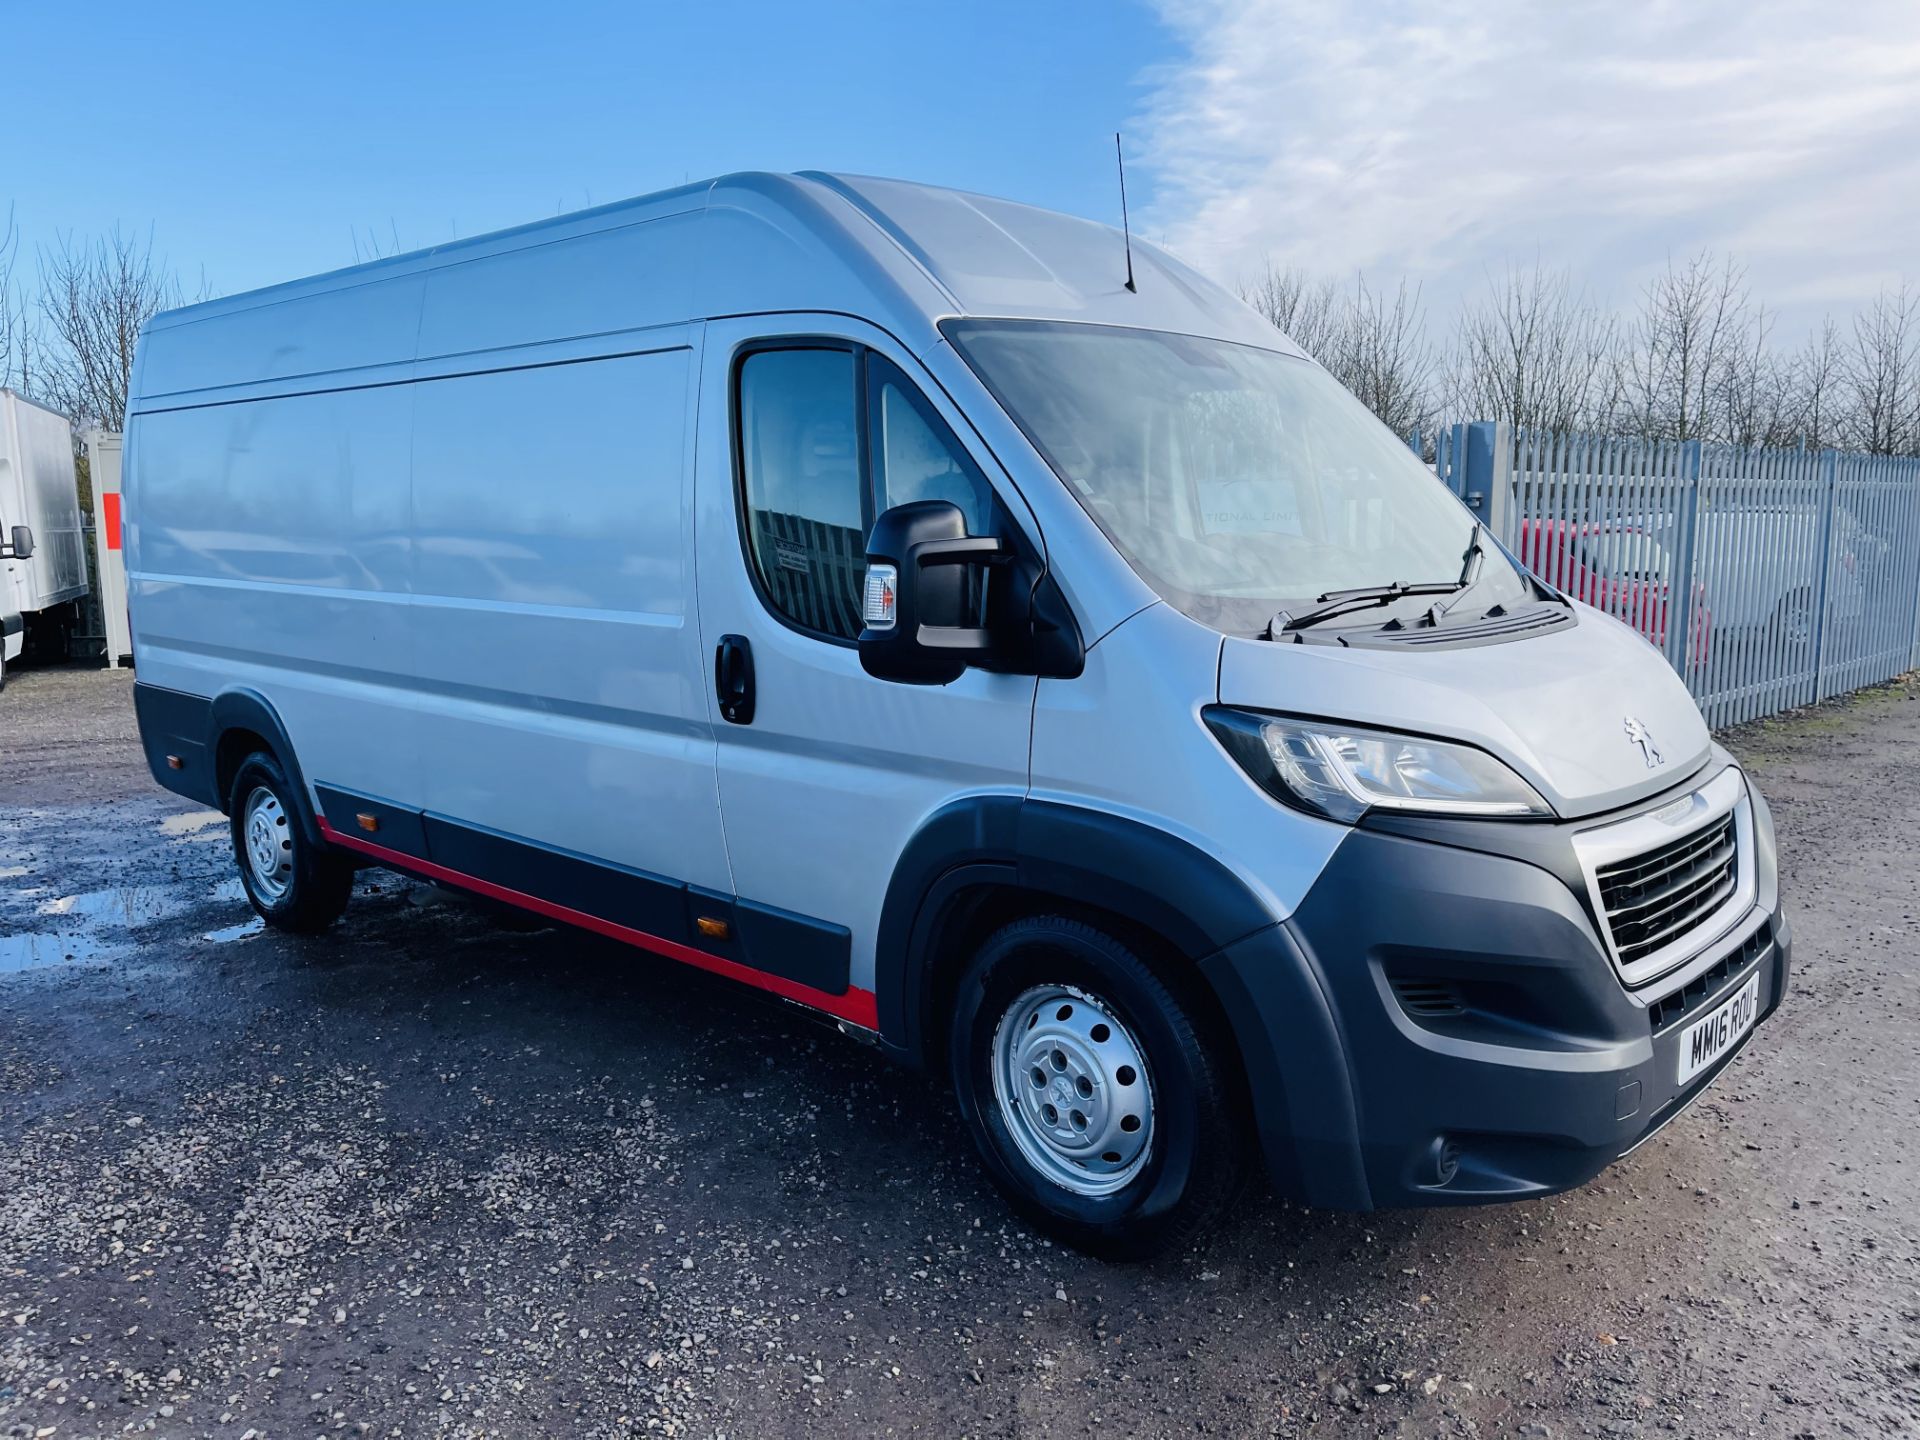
x=268, y=547
x=1126, y=737
x=998, y=257
x=554, y=635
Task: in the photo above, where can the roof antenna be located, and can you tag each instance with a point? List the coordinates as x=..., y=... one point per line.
x=1126, y=231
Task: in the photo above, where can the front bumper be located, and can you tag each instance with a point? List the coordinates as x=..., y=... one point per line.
x=1473, y=1039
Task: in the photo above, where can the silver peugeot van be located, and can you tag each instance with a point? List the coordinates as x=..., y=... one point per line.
x=860, y=590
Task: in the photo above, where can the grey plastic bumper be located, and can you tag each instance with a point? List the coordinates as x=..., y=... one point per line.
x=1441, y=1025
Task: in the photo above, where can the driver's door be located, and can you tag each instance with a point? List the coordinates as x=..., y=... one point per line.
x=809, y=425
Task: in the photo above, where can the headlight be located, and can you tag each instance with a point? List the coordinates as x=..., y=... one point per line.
x=1343, y=771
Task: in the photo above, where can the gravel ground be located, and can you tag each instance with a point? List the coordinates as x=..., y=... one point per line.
x=434, y=1174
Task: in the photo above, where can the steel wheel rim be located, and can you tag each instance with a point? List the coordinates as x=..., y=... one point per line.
x=1074, y=1090
x=267, y=843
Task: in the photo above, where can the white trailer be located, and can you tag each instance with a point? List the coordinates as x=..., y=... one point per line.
x=43, y=558
x=109, y=560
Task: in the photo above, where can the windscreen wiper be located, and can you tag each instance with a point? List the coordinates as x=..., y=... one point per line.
x=1339, y=602
x=1470, y=565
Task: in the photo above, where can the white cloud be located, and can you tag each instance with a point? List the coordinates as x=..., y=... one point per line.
x=1438, y=138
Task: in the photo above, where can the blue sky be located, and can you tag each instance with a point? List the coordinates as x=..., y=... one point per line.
x=255, y=139
x=1435, y=140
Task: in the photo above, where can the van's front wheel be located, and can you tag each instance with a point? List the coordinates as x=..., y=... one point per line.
x=292, y=881
x=1103, y=1105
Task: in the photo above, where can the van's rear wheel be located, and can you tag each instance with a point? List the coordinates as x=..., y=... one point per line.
x=294, y=883
x=1103, y=1105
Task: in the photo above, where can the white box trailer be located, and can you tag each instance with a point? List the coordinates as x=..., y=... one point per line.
x=43, y=579
x=109, y=560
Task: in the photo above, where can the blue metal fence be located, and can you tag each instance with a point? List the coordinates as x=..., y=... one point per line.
x=1768, y=578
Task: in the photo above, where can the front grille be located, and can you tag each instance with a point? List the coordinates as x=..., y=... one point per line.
x=1428, y=997
x=1704, y=991
x=1654, y=898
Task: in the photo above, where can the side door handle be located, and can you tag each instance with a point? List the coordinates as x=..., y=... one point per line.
x=733, y=678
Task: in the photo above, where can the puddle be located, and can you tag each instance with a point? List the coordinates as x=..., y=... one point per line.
x=130, y=906
x=236, y=932
x=106, y=917
x=33, y=952
x=195, y=824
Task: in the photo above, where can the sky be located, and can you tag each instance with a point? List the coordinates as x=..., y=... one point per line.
x=1439, y=140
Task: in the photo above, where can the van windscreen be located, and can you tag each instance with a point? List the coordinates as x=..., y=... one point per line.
x=1236, y=481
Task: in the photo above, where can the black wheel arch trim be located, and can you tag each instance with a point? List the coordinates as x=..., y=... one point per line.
x=1266, y=983
x=242, y=709
x=191, y=728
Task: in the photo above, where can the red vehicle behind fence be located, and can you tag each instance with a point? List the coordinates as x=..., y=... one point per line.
x=1625, y=570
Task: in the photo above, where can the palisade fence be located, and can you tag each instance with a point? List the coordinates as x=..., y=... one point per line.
x=1768, y=578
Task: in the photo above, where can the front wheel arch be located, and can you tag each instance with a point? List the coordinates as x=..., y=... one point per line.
x=988, y=859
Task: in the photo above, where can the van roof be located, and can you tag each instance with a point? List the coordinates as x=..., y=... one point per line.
x=918, y=248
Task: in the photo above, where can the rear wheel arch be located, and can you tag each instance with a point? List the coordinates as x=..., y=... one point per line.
x=241, y=722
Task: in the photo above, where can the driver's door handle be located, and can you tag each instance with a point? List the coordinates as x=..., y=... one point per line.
x=733, y=678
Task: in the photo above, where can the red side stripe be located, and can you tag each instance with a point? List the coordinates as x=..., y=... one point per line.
x=856, y=1006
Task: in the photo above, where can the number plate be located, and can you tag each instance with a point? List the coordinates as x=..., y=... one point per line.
x=1705, y=1041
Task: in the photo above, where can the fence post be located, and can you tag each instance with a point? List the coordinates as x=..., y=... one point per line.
x=1912, y=531
x=1680, y=626
x=1487, y=481
x=1829, y=485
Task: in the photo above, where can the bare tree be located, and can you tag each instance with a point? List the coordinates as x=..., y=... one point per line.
x=1387, y=360
x=1698, y=360
x=1817, y=379
x=375, y=247
x=13, y=319
x=1372, y=342
x=1693, y=319
x=1307, y=310
x=1759, y=391
x=1532, y=351
x=94, y=299
x=1882, y=367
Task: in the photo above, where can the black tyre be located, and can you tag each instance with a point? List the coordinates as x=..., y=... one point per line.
x=1107, y=1108
x=294, y=883
x=1793, y=621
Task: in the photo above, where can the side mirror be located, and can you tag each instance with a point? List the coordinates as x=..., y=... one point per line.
x=921, y=607
x=22, y=546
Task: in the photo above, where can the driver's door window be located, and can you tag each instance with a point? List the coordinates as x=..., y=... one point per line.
x=812, y=478
x=915, y=455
